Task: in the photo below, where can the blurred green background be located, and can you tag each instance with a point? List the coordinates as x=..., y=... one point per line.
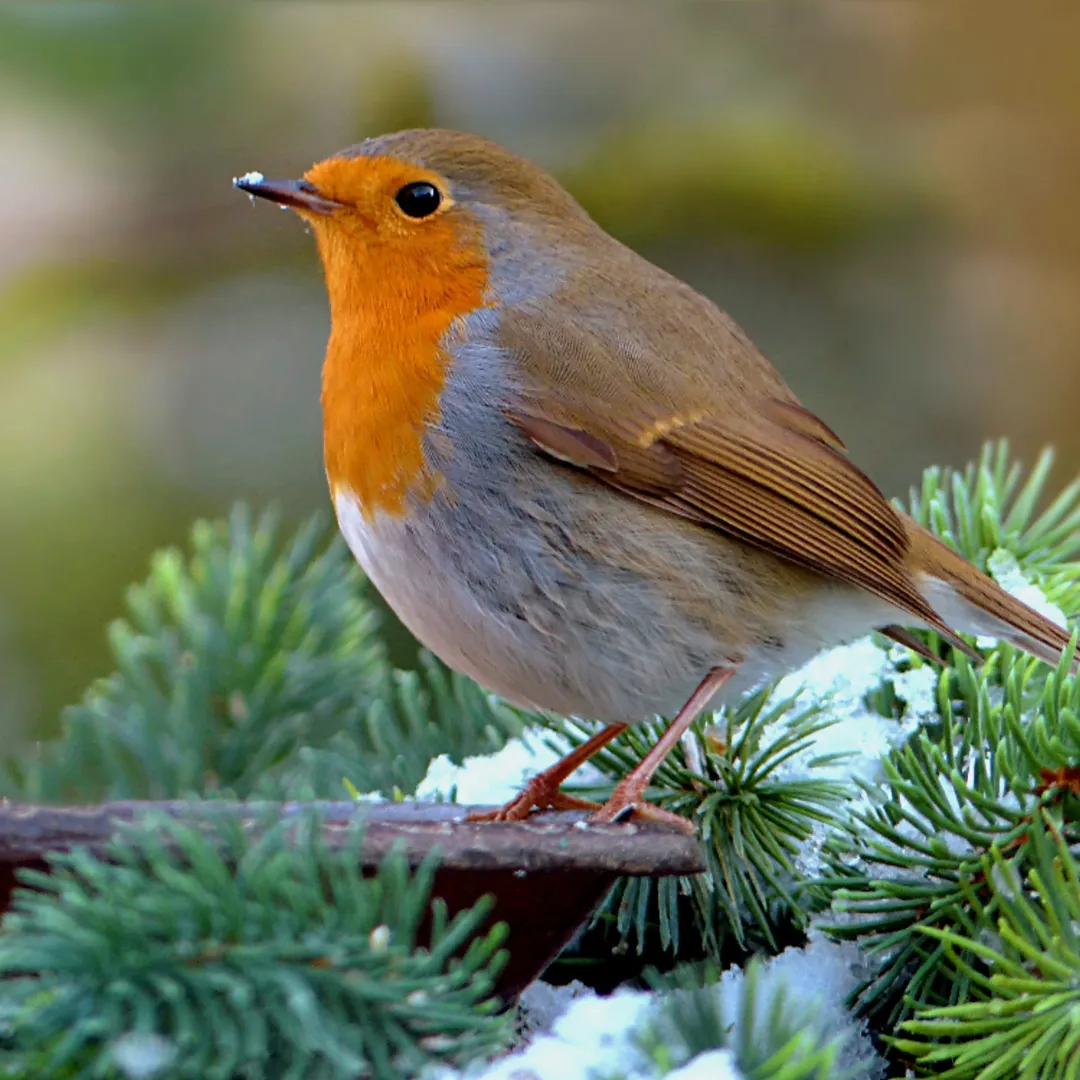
x=886, y=195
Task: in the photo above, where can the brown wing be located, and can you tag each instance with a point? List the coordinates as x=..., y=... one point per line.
x=760, y=468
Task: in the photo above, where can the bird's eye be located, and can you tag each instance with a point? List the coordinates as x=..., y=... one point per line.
x=419, y=199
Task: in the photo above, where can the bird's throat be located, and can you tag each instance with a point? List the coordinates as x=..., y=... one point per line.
x=392, y=310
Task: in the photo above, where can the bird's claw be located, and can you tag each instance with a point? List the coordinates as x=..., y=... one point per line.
x=535, y=796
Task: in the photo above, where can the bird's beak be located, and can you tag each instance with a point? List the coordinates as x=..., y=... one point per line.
x=297, y=194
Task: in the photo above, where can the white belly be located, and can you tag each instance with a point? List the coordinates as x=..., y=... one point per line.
x=459, y=622
x=519, y=602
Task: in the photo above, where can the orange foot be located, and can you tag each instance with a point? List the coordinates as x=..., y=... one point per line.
x=542, y=791
x=538, y=794
x=628, y=800
x=629, y=797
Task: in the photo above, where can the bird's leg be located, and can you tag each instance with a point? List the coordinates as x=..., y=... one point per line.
x=629, y=796
x=542, y=791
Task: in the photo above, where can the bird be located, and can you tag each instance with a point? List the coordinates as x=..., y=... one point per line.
x=575, y=478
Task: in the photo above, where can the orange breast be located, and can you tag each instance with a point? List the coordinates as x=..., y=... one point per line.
x=393, y=301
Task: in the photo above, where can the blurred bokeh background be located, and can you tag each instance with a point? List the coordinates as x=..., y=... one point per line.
x=887, y=196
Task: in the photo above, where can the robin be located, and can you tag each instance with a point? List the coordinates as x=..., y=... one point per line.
x=574, y=478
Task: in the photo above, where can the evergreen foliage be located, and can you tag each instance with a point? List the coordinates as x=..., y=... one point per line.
x=911, y=862
x=909, y=867
x=752, y=819
x=254, y=668
x=223, y=956
x=916, y=874
x=1022, y=1016
x=991, y=506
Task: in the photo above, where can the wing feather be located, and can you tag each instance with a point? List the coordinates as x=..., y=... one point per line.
x=756, y=467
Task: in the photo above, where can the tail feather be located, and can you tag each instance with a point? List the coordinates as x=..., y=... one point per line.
x=970, y=601
x=910, y=640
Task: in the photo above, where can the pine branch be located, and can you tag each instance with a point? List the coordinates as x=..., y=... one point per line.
x=254, y=667
x=229, y=955
x=753, y=821
x=991, y=505
x=1022, y=1019
x=1007, y=747
x=408, y=718
x=912, y=861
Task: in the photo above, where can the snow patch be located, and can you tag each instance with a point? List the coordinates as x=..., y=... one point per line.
x=1004, y=568
x=597, y=1036
x=818, y=977
x=712, y=1065
x=592, y=1037
x=143, y=1055
x=541, y=1004
x=494, y=779
x=839, y=681
x=366, y=796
